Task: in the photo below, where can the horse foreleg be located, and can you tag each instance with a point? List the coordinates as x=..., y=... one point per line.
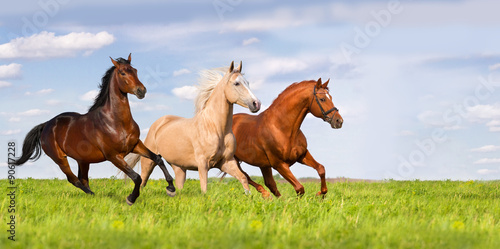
x=203, y=173
x=284, y=170
x=267, y=173
x=120, y=163
x=310, y=161
x=231, y=167
x=142, y=150
x=180, y=176
x=83, y=174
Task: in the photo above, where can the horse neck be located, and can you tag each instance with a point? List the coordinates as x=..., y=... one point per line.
x=218, y=111
x=117, y=103
x=289, y=112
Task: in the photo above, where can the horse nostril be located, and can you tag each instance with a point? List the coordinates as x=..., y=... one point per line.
x=141, y=92
x=256, y=105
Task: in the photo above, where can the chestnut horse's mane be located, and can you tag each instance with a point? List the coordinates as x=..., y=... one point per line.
x=291, y=89
x=103, y=95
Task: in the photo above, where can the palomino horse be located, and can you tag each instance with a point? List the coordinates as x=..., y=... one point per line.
x=206, y=140
x=106, y=132
x=274, y=139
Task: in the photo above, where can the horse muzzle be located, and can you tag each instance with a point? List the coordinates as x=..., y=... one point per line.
x=255, y=106
x=140, y=92
x=336, y=123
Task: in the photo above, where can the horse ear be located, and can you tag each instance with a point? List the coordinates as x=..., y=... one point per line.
x=240, y=66
x=318, y=83
x=231, y=67
x=114, y=62
x=325, y=86
x=130, y=57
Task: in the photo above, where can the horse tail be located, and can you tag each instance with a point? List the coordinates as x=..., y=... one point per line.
x=132, y=159
x=32, y=146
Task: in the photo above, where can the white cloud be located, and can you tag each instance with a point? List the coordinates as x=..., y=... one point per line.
x=5, y=84
x=33, y=112
x=487, y=161
x=185, y=92
x=275, y=66
x=250, y=41
x=89, y=96
x=47, y=45
x=494, y=67
x=141, y=106
x=41, y=92
x=11, y=71
x=181, y=72
x=486, y=148
x=14, y=119
x=483, y=112
x=487, y=171
x=10, y=132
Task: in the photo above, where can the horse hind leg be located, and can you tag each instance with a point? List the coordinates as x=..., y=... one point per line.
x=60, y=159
x=83, y=174
x=257, y=186
x=267, y=173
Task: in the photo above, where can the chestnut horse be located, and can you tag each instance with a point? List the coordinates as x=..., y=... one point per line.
x=205, y=141
x=106, y=132
x=273, y=138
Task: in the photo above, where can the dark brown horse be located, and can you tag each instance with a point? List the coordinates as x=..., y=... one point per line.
x=106, y=132
x=273, y=138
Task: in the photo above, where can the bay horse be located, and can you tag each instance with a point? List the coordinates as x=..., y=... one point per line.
x=106, y=132
x=205, y=141
x=273, y=138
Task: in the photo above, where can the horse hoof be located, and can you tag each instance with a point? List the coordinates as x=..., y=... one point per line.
x=170, y=193
x=129, y=202
x=247, y=192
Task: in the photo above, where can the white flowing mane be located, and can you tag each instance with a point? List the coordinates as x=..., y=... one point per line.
x=207, y=82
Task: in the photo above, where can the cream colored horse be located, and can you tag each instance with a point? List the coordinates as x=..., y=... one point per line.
x=205, y=141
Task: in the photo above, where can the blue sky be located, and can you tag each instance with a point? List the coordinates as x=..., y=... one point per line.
x=417, y=82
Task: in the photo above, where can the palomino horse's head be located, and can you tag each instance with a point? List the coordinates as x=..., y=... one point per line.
x=238, y=91
x=323, y=107
x=127, y=79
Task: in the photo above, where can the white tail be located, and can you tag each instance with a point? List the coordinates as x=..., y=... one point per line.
x=132, y=160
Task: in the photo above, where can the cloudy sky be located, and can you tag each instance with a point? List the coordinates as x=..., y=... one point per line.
x=417, y=82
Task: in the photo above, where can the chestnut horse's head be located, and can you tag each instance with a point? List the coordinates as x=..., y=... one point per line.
x=322, y=105
x=127, y=78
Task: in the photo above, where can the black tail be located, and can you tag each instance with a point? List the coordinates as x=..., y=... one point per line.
x=32, y=146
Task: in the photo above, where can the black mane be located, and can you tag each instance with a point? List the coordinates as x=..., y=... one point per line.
x=102, y=97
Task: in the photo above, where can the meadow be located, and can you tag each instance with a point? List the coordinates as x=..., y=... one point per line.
x=389, y=214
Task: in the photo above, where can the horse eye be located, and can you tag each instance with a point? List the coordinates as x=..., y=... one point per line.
x=236, y=83
x=322, y=99
x=122, y=73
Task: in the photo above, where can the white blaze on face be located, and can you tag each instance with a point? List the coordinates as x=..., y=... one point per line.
x=245, y=84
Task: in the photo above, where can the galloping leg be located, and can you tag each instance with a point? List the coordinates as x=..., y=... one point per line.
x=180, y=176
x=120, y=163
x=309, y=161
x=203, y=173
x=231, y=167
x=284, y=170
x=83, y=174
x=257, y=186
x=267, y=173
x=53, y=151
x=141, y=149
x=147, y=167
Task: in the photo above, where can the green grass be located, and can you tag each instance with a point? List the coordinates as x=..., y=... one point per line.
x=393, y=214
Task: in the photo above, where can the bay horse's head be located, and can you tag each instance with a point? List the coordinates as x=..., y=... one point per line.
x=127, y=79
x=237, y=90
x=322, y=105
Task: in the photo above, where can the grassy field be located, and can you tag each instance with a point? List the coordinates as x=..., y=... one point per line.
x=393, y=214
